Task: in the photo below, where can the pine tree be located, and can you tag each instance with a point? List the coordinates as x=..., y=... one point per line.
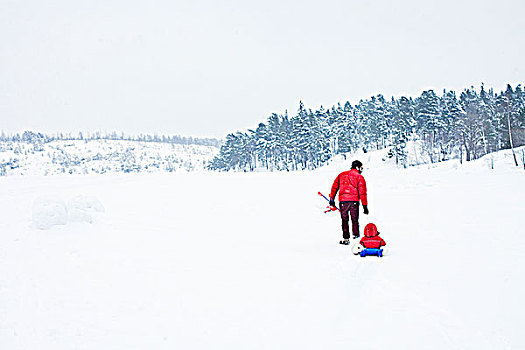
x=402, y=124
x=428, y=116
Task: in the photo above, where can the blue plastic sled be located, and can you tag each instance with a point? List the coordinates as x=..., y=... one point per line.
x=371, y=251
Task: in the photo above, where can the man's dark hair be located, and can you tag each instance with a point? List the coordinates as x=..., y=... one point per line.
x=356, y=164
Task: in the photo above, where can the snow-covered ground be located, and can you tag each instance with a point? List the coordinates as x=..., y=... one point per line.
x=250, y=261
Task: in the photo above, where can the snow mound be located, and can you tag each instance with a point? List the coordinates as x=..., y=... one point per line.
x=49, y=212
x=83, y=208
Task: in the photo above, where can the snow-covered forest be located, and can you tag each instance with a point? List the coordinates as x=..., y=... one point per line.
x=33, y=153
x=430, y=128
x=443, y=126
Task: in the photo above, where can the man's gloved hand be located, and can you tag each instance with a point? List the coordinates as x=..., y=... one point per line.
x=365, y=209
x=332, y=202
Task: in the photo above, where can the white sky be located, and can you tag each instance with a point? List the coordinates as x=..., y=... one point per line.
x=207, y=68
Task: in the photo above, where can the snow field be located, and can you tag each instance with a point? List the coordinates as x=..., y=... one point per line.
x=227, y=261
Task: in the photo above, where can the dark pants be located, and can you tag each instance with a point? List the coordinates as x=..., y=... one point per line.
x=353, y=209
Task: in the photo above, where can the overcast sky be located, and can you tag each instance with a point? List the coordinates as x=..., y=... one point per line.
x=207, y=68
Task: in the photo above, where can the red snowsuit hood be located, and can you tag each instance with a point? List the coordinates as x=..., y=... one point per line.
x=370, y=230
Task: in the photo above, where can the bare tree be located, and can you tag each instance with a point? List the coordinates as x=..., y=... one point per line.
x=510, y=134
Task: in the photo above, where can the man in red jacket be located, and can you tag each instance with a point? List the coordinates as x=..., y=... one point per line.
x=352, y=189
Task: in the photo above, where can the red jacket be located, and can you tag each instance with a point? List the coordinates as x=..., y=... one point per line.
x=371, y=238
x=351, y=186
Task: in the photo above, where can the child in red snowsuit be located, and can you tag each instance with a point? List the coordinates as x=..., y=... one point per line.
x=371, y=238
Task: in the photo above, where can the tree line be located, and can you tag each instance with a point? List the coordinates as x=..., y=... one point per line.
x=465, y=126
x=40, y=138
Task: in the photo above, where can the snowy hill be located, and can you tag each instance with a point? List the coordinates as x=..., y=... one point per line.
x=249, y=260
x=100, y=156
